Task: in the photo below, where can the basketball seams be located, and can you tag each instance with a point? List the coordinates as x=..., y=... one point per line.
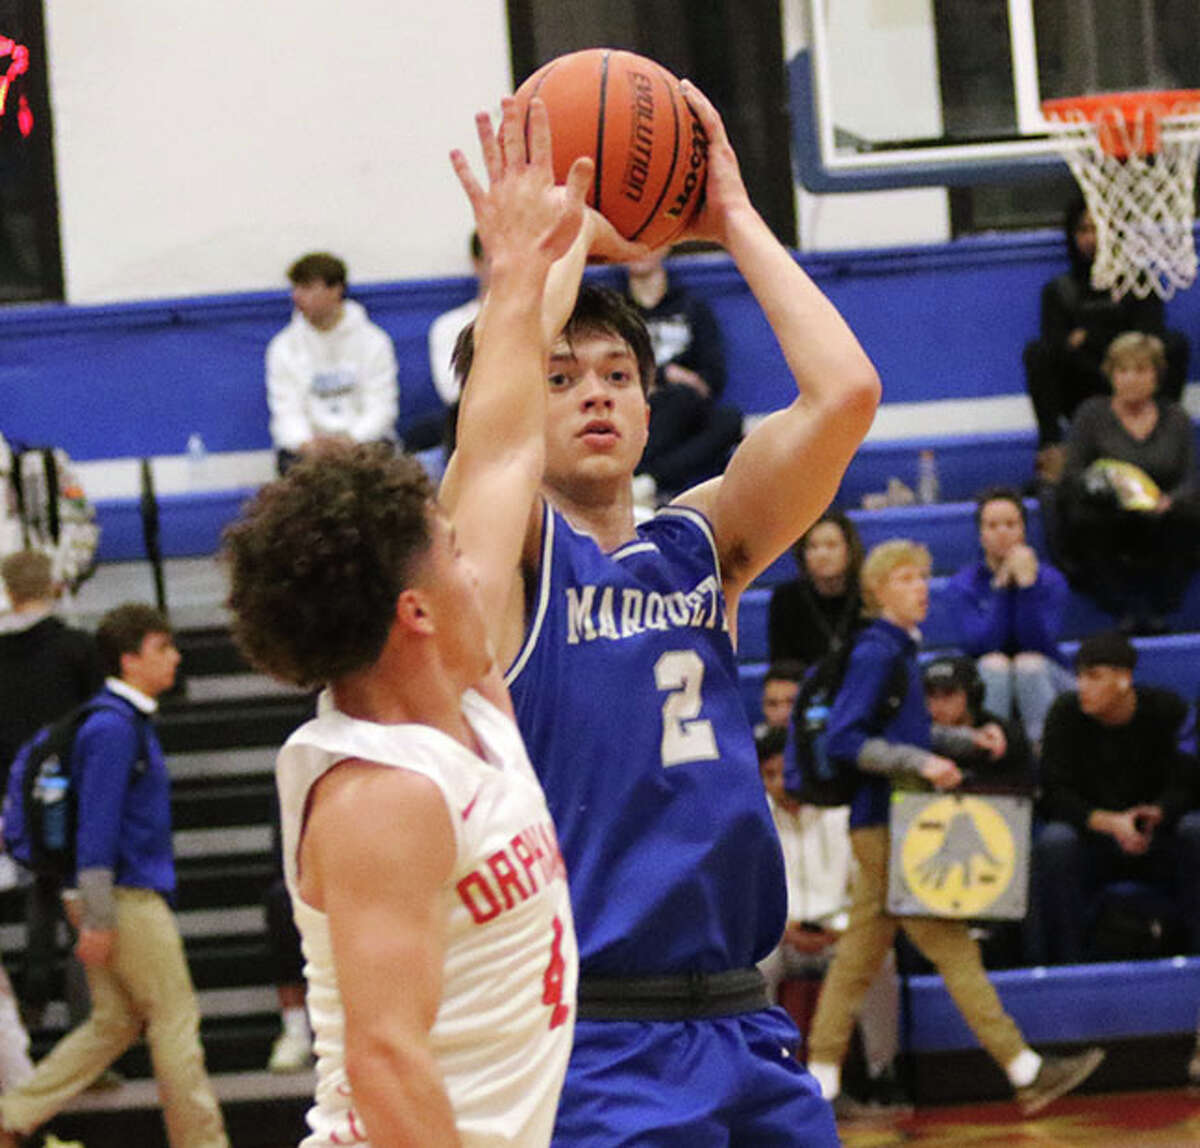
x=633, y=147
x=602, y=108
x=666, y=183
x=529, y=103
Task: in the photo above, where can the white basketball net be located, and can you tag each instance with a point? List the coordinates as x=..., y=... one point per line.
x=1142, y=205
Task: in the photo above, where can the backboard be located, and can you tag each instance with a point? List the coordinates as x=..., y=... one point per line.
x=913, y=93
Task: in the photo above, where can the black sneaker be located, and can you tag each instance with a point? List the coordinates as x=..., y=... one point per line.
x=885, y=1091
x=1057, y=1076
x=847, y=1110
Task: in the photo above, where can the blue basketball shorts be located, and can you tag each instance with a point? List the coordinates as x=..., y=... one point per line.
x=729, y=1082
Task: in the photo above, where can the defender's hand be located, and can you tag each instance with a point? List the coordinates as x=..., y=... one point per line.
x=522, y=214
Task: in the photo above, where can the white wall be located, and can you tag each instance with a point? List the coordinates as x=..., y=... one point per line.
x=884, y=79
x=201, y=145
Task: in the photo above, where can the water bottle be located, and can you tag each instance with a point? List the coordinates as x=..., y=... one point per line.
x=928, y=488
x=50, y=792
x=197, y=452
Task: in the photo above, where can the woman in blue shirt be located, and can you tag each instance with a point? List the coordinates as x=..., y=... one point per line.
x=1009, y=608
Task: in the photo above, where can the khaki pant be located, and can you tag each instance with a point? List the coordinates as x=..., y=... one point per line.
x=865, y=944
x=145, y=987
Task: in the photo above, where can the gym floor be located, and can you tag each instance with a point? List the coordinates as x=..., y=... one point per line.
x=1167, y=1119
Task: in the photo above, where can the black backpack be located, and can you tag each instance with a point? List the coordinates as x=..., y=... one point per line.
x=41, y=803
x=810, y=776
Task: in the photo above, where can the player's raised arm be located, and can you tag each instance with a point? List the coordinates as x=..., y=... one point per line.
x=525, y=223
x=787, y=470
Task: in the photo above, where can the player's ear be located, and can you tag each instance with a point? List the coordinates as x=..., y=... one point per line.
x=414, y=612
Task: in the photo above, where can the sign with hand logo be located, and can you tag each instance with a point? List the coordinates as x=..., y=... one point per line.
x=961, y=855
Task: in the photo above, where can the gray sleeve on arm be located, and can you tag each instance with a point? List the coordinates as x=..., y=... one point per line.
x=96, y=893
x=888, y=758
x=954, y=741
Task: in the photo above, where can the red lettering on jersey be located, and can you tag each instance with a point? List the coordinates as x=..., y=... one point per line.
x=552, y=979
x=476, y=894
x=533, y=841
x=507, y=876
x=528, y=859
x=358, y=1136
x=553, y=866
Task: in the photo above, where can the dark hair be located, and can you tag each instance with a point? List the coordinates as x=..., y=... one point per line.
x=1076, y=209
x=123, y=630
x=784, y=670
x=318, y=558
x=476, y=246
x=318, y=265
x=1110, y=648
x=770, y=743
x=955, y=673
x=597, y=311
x=854, y=547
x=1000, y=494
x=463, y=354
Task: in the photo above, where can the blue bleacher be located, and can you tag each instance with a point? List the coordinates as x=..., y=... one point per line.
x=948, y=530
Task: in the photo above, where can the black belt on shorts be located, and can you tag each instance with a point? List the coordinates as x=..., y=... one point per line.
x=684, y=996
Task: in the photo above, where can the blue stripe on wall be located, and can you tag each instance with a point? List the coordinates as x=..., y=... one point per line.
x=944, y=321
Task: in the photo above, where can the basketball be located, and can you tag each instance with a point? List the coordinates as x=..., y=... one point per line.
x=625, y=112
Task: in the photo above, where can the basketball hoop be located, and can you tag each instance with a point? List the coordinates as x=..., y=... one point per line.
x=1134, y=155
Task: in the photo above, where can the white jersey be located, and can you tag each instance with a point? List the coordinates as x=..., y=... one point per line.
x=503, y=1031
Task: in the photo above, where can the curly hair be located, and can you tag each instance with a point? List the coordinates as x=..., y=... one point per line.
x=318, y=558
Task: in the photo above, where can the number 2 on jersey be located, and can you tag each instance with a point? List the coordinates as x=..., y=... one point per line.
x=685, y=735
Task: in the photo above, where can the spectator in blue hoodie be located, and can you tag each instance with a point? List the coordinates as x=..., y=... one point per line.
x=1008, y=606
x=895, y=584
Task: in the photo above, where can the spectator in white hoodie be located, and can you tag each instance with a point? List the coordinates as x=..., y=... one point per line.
x=331, y=372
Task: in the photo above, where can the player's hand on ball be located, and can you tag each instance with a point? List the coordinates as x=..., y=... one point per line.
x=606, y=244
x=522, y=213
x=724, y=192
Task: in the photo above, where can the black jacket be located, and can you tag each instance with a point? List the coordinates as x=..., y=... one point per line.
x=1088, y=766
x=46, y=669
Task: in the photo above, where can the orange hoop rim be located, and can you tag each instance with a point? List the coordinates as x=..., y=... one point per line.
x=1138, y=111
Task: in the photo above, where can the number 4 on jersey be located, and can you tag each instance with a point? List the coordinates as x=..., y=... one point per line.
x=552, y=980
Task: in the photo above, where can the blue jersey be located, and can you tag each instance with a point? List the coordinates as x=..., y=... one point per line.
x=626, y=692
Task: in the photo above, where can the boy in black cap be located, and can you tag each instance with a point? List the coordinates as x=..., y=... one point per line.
x=1119, y=798
x=954, y=693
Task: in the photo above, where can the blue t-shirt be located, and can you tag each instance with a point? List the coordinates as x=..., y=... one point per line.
x=626, y=691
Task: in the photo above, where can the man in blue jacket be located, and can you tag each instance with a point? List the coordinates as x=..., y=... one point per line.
x=895, y=583
x=127, y=937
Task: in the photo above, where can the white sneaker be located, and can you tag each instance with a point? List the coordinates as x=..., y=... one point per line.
x=291, y=1052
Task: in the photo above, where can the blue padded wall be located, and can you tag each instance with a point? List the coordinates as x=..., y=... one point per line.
x=944, y=321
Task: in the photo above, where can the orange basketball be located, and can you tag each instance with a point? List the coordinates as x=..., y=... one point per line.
x=627, y=113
